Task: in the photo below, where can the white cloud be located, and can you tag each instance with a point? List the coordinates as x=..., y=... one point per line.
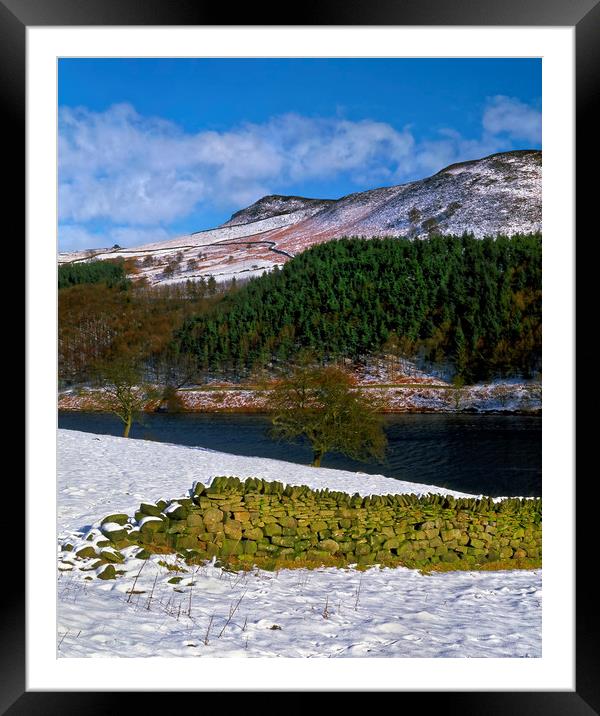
x=120, y=166
x=142, y=173
x=507, y=115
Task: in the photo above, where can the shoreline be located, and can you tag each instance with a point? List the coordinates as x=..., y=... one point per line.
x=488, y=399
x=259, y=411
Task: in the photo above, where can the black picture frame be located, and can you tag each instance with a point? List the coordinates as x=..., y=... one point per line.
x=584, y=15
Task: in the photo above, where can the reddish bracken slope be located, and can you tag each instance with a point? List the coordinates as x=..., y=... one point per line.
x=500, y=194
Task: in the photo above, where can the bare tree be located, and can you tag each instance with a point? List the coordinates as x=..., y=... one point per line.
x=123, y=392
x=172, y=370
x=324, y=406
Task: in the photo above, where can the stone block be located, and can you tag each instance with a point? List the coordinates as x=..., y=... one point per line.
x=119, y=518
x=362, y=548
x=194, y=519
x=272, y=529
x=148, y=509
x=283, y=541
x=86, y=552
x=231, y=547
x=249, y=546
x=329, y=545
x=108, y=572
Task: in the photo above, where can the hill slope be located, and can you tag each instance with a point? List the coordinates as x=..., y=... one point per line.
x=473, y=303
x=499, y=194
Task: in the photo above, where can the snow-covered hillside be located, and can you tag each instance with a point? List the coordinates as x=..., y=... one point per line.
x=176, y=610
x=500, y=194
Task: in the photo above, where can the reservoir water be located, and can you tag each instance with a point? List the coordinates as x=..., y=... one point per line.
x=488, y=454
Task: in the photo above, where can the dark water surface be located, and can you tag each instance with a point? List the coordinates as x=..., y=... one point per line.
x=489, y=454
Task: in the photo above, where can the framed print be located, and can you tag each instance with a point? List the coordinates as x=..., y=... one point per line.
x=95, y=178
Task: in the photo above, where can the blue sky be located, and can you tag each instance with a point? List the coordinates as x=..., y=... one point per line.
x=153, y=148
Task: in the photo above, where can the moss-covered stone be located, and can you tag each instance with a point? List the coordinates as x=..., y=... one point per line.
x=178, y=527
x=318, y=525
x=212, y=549
x=281, y=541
x=329, y=545
x=119, y=518
x=362, y=548
x=392, y=543
x=233, y=524
x=186, y=541
x=176, y=511
x=86, y=552
x=212, y=518
x=365, y=559
x=449, y=557
x=287, y=521
x=249, y=546
x=198, y=489
x=241, y=515
x=147, y=508
x=152, y=526
x=113, y=534
x=477, y=543
x=231, y=547
x=317, y=554
x=272, y=529
x=247, y=558
x=111, y=555
x=108, y=572
x=301, y=545
x=253, y=533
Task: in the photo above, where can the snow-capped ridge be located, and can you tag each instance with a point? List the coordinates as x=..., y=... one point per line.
x=276, y=205
x=499, y=194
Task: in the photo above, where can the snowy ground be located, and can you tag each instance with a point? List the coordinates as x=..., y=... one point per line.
x=292, y=613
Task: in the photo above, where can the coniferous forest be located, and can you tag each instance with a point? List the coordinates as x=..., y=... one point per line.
x=471, y=302
x=111, y=273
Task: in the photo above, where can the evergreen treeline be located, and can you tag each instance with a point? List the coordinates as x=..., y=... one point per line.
x=111, y=273
x=473, y=302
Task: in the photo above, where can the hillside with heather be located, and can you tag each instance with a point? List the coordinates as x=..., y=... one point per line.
x=497, y=195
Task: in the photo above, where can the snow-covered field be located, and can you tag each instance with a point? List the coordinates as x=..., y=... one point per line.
x=292, y=613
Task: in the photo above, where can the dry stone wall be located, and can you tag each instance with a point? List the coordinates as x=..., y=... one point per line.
x=253, y=519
